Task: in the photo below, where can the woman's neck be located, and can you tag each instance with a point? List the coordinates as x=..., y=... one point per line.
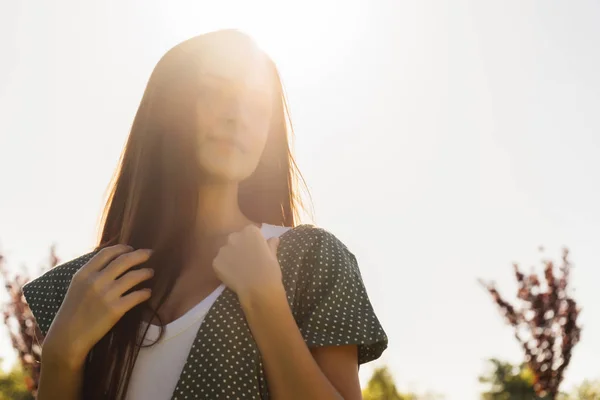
x=219, y=211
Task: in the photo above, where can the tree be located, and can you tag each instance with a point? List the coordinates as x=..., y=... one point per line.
x=511, y=382
x=13, y=385
x=545, y=323
x=25, y=335
x=508, y=382
x=588, y=390
x=381, y=386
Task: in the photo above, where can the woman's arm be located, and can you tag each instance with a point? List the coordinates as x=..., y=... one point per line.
x=58, y=379
x=292, y=371
x=336, y=318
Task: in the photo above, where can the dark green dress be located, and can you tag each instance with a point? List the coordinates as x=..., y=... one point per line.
x=325, y=292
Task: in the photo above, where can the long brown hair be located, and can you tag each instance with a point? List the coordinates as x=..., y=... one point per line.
x=153, y=198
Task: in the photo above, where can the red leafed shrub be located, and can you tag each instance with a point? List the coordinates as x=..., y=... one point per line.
x=25, y=335
x=545, y=321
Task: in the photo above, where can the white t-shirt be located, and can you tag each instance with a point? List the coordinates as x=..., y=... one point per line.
x=158, y=367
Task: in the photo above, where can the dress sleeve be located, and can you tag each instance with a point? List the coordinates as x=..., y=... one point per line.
x=41, y=297
x=333, y=307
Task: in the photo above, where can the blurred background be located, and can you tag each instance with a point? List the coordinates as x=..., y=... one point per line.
x=440, y=141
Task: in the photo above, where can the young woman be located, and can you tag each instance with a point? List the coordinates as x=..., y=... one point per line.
x=203, y=285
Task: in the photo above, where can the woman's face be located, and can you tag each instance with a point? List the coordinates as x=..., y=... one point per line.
x=234, y=109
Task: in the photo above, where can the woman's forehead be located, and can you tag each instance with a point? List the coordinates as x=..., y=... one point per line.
x=238, y=63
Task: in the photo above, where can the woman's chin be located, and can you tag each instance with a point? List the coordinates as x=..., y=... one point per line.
x=225, y=174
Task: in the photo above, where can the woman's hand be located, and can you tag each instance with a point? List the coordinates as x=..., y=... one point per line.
x=94, y=303
x=248, y=263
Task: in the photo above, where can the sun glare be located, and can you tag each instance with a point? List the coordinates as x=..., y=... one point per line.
x=312, y=36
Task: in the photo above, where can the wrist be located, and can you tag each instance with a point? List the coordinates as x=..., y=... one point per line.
x=62, y=356
x=264, y=296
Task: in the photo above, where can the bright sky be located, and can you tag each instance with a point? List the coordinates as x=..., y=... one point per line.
x=440, y=144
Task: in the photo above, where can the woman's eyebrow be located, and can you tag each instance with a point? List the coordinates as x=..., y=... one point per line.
x=219, y=79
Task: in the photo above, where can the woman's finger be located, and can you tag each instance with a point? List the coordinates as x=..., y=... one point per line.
x=124, y=262
x=104, y=257
x=131, y=300
x=128, y=281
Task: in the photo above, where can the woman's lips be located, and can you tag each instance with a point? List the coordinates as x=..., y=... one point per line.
x=227, y=143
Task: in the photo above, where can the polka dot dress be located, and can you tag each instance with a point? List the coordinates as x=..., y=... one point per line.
x=325, y=292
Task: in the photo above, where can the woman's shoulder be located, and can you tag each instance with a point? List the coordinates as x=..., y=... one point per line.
x=327, y=295
x=59, y=275
x=45, y=294
x=311, y=237
x=314, y=249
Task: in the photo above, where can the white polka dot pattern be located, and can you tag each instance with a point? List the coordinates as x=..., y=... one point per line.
x=332, y=307
x=325, y=292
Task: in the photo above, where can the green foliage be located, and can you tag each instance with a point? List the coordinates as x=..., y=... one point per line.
x=14, y=385
x=588, y=390
x=381, y=386
x=508, y=382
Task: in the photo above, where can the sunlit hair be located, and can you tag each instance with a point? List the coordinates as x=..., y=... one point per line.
x=153, y=198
